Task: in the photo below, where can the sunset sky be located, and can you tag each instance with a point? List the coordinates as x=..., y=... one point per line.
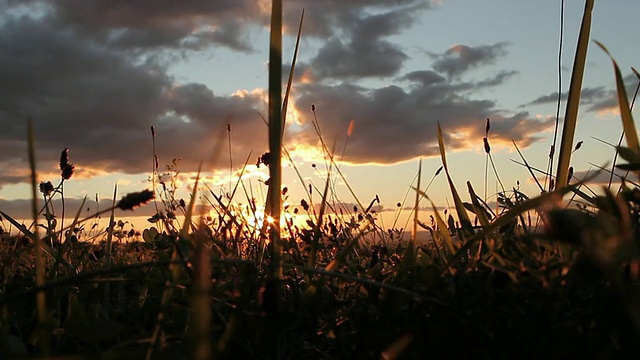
x=96, y=75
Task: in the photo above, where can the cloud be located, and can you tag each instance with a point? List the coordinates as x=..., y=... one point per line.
x=94, y=77
x=460, y=58
x=101, y=104
x=393, y=124
x=153, y=24
x=594, y=99
x=323, y=18
x=365, y=54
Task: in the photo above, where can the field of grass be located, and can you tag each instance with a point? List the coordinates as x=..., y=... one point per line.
x=551, y=276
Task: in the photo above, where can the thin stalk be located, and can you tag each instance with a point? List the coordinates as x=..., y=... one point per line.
x=317, y=231
x=559, y=100
x=272, y=289
x=416, y=207
x=275, y=134
x=112, y=223
x=41, y=302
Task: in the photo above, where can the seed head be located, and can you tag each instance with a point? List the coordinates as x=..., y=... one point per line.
x=66, y=167
x=64, y=158
x=487, y=148
x=46, y=188
x=578, y=146
x=67, y=172
x=264, y=159
x=351, y=126
x=133, y=200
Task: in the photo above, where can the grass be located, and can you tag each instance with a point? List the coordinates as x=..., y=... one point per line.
x=545, y=276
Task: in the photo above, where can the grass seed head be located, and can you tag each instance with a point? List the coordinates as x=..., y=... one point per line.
x=67, y=172
x=133, y=200
x=46, y=188
x=64, y=158
x=264, y=159
x=487, y=148
x=66, y=167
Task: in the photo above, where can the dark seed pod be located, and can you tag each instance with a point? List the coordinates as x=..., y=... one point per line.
x=133, y=200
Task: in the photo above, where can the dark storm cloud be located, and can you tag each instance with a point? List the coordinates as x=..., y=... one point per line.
x=460, y=58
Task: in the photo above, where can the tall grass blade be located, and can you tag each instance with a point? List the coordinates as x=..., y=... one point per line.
x=272, y=289
x=479, y=210
x=615, y=156
x=200, y=329
x=41, y=302
x=112, y=225
x=416, y=207
x=623, y=103
x=188, y=218
x=275, y=135
x=460, y=209
x=285, y=102
x=442, y=227
x=573, y=100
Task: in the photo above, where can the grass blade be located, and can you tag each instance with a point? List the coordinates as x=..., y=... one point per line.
x=480, y=211
x=526, y=164
x=460, y=209
x=573, y=100
x=41, y=302
x=200, y=330
x=285, y=102
x=112, y=224
x=625, y=110
x=275, y=134
x=416, y=207
x=442, y=228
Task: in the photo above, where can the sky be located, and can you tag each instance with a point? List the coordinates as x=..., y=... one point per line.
x=96, y=75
